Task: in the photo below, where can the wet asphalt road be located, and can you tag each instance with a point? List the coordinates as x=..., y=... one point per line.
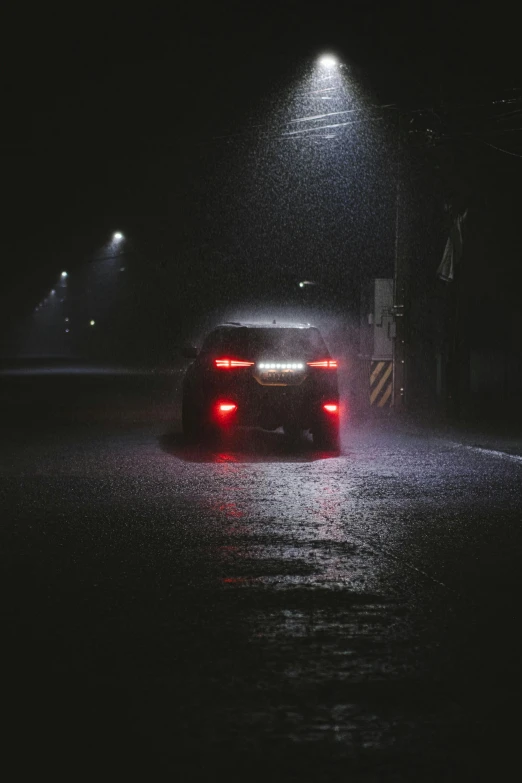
x=257, y=608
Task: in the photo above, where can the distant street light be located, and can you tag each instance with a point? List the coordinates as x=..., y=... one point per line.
x=92, y=323
x=117, y=236
x=53, y=292
x=63, y=275
x=304, y=283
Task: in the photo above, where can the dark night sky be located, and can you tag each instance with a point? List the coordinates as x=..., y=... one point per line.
x=110, y=118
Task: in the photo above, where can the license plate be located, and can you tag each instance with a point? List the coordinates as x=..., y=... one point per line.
x=279, y=377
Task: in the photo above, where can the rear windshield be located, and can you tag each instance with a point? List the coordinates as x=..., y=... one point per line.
x=252, y=344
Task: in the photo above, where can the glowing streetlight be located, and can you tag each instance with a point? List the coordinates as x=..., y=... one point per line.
x=117, y=236
x=63, y=275
x=91, y=323
x=328, y=61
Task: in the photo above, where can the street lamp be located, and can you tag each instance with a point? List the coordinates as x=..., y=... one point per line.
x=63, y=275
x=117, y=236
x=91, y=323
x=328, y=61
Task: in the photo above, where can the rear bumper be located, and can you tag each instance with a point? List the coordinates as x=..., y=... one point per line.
x=299, y=405
x=270, y=410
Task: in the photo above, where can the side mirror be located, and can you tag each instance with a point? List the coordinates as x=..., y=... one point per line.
x=189, y=351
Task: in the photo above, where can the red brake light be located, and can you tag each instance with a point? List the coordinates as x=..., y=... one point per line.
x=224, y=412
x=227, y=364
x=330, y=364
x=331, y=407
x=227, y=407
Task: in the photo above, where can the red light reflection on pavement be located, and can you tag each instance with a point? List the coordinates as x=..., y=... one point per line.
x=229, y=509
x=225, y=456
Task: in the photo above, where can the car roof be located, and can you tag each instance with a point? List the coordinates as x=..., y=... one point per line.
x=266, y=325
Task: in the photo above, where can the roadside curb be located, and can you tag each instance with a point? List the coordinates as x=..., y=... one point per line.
x=471, y=436
x=516, y=456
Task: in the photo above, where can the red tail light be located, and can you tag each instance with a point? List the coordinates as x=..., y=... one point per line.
x=331, y=407
x=226, y=407
x=227, y=364
x=329, y=364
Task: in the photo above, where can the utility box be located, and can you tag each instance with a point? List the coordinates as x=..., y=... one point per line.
x=383, y=320
x=376, y=342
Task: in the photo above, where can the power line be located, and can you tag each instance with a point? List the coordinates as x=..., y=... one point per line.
x=506, y=152
x=267, y=129
x=270, y=128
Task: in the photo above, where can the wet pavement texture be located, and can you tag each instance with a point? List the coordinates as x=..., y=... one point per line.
x=257, y=608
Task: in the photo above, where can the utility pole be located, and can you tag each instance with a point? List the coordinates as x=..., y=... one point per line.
x=400, y=286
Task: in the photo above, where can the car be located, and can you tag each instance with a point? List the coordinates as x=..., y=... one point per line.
x=266, y=375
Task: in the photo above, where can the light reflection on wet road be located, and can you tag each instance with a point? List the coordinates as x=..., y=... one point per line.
x=325, y=613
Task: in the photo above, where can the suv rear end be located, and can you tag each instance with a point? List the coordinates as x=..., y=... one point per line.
x=263, y=375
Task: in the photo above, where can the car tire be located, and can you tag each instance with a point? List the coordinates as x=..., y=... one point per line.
x=326, y=437
x=191, y=421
